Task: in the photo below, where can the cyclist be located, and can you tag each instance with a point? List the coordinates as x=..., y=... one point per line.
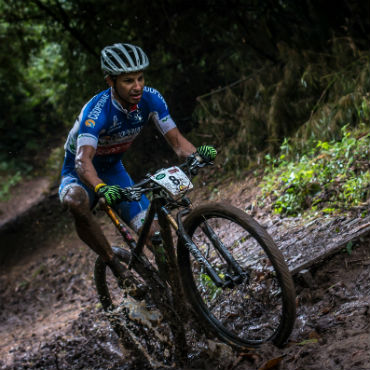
x=107, y=125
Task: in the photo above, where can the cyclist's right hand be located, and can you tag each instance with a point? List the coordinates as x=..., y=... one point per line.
x=113, y=193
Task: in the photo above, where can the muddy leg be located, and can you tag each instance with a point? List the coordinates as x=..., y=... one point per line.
x=87, y=227
x=89, y=230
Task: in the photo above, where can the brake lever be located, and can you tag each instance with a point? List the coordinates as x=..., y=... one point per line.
x=196, y=165
x=134, y=193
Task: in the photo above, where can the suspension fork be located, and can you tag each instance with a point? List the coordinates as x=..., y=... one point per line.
x=219, y=245
x=229, y=280
x=193, y=249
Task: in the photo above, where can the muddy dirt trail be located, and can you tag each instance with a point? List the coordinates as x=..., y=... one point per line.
x=50, y=317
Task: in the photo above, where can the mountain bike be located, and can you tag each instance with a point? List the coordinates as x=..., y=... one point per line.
x=231, y=271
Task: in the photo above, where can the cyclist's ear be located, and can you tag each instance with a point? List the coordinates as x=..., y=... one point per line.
x=110, y=80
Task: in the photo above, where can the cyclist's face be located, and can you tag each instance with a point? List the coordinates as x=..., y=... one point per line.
x=129, y=88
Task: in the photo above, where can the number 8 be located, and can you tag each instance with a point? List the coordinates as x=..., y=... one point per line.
x=174, y=180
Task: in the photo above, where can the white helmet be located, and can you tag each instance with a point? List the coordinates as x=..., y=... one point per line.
x=122, y=58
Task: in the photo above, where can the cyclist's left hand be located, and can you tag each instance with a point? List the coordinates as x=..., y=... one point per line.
x=207, y=153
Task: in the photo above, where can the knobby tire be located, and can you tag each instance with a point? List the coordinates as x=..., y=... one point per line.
x=146, y=341
x=262, y=307
x=101, y=278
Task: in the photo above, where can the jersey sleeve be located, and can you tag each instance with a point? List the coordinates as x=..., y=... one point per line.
x=92, y=120
x=159, y=111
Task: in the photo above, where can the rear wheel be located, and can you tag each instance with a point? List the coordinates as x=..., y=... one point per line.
x=138, y=323
x=259, y=304
x=110, y=295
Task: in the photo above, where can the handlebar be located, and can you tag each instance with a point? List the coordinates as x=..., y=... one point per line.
x=190, y=167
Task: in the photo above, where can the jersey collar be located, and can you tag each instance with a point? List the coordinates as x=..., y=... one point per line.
x=118, y=105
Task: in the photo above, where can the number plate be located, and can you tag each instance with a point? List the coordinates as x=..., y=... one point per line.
x=173, y=180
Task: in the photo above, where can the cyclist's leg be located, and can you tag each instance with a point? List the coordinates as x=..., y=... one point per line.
x=79, y=199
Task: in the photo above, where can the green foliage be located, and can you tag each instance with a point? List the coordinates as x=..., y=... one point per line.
x=345, y=92
x=349, y=247
x=49, y=67
x=209, y=286
x=310, y=97
x=330, y=176
x=8, y=182
x=32, y=85
x=11, y=174
x=308, y=341
x=54, y=163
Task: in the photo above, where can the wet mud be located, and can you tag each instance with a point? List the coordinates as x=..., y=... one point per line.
x=50, y=316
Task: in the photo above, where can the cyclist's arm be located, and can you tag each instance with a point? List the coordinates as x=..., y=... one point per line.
x=181, y=146
x=84, y=166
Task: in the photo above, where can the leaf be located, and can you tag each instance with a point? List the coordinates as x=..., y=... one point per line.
x=308, y=341
x=272, y=364
x=251, y=356
x=313, y=335
x=349, y=247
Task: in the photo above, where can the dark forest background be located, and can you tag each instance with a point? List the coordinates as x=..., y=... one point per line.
x=239, y=74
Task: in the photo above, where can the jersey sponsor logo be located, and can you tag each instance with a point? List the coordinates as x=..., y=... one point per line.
x=119, y=137
x=121, y=134
x=95, y=113
x=129, y=132
x=133, y=119
x=116, y=125
x=115, y=122
x=113, y=149
x=155, y=92
x=90, y=123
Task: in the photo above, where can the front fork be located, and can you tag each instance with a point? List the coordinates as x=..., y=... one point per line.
x=230, y=280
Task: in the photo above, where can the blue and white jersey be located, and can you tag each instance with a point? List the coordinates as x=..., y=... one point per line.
x=105, y=125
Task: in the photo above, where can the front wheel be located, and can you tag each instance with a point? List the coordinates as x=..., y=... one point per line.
x=257, y=302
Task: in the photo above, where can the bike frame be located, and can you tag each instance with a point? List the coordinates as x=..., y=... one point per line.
x=157, y=207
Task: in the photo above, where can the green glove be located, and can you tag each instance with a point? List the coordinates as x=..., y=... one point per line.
x=207, y=152
x=112, y=193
